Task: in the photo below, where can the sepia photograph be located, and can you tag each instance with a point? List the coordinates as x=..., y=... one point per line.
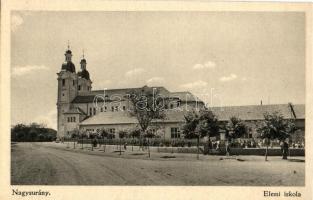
x=162, y=100
x=158, y=98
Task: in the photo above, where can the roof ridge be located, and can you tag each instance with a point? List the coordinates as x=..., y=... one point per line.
x=256, y=105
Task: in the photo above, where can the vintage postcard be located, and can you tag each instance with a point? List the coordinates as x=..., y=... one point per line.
x=156, y=100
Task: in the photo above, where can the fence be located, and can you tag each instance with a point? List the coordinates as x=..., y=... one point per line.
x=186, y=146
x=140, y=142
x=178, y=142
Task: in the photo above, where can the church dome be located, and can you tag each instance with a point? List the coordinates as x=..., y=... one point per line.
x=68, y=52
x=84, y=74
x=83, y=60
x=68, y=66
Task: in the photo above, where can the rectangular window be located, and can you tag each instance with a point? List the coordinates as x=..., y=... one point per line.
x=105, y=109
x=73, y=82
x=79, y=87
x=250, y=135
x=112, y=108
x=112, y=130
x=172, y=106
x=63, y=82
x=178, y=103
x=94, y=111
x=90, y=111
x=175, y=132
x=74, y=119
x=124, y=108
x=101, y=109
x=68, y=119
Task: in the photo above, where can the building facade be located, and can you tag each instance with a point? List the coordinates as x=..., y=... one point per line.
x=79, y=108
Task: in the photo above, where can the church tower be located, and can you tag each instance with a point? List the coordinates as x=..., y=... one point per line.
x=84, y=82
x=67, y=90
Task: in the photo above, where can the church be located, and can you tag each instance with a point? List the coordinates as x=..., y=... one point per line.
x=81, y=108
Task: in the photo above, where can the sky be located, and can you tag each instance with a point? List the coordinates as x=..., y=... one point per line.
x=225, y=58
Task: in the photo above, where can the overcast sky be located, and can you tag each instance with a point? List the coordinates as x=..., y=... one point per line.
x=244, y=57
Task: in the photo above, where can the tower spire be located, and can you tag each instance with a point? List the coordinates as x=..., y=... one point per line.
x=68, y=45
x=83, y=54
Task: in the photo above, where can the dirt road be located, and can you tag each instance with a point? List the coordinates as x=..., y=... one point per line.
x=40, y=164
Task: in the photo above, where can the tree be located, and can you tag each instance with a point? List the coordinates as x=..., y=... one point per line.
x=208, y=123
x=200, y=124
x=104, y=134
x=147, y=105
x=134, y=133
x=122, y=134
x=191, y=123
x=235, y=128
x=276, y=127
x=31, y=133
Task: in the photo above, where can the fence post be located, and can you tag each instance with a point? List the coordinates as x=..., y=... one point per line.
x=149, y=147
x=198, y=138
x=103, y=145
x=68, y=143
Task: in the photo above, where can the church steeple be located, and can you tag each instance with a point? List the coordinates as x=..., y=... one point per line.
x=68, y=65
x=68, y=54
x=83, y=62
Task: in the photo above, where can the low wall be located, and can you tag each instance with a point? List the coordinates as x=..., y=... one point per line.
x=233, y=151
x=222, y=151
x=271, y=152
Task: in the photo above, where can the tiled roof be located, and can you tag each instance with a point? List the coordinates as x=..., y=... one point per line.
x=125, y=118
x=299, y=111
x=85, y=99
x=117, y=93
x=110, y=118
x=124, y=91
x=253, y=112
x=185, y=96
